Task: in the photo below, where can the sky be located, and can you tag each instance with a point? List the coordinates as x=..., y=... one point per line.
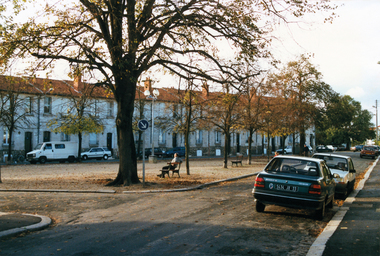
x=346, y=52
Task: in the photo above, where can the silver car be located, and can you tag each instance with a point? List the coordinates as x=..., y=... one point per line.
x=344, y=167
x=96, y=153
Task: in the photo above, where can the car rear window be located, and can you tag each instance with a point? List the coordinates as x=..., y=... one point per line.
x=293, y=166
x=334, y=162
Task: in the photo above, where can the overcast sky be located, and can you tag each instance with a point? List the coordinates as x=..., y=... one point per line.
x=346, y=51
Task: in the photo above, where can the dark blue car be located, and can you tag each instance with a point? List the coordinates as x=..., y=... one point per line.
x=295, y=182
x=172, y=151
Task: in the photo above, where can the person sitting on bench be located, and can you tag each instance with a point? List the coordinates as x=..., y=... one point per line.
x=173, y=164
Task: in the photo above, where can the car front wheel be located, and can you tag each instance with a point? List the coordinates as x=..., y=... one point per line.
x=105, y=157
x=85, y=157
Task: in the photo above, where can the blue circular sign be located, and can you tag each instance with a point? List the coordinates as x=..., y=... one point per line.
x=143, y=125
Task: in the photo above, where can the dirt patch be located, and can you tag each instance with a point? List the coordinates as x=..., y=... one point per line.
x=95, y=175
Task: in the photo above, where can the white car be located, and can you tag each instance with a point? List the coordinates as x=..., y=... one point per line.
x=344, y=167
x=287, y=150
x=96, y=153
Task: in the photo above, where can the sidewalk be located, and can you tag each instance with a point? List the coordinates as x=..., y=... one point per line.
x=355, y=228
x=15, y=223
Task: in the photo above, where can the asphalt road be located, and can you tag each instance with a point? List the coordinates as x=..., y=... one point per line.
x=218, y=220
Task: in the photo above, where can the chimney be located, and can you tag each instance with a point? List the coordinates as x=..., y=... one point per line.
x=78, y=81
x=205, y=89
x=148, y=85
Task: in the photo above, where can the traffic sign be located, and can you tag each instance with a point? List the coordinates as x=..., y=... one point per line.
x=143, y=125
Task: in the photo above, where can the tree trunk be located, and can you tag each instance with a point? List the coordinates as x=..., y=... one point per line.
x=187, y=148
x=226, y=143
x=79, y=147
x=125, y=96
x=249, y=161
x=9, y=160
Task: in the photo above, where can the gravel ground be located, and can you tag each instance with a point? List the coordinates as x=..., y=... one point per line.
x=94, y=175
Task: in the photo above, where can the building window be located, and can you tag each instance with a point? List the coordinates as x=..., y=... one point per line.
x=65, y=137
x=93, y=139
x=198, y=136
x=161, y=136
x=5, y=136
x=96, y=108
x=28, y=105
x=218, y=136
x=46, y=136
x=110, y=109
x=47, y=105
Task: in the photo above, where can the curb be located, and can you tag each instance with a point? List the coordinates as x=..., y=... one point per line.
x=58, y=191
x=129, y=192
x=192, y=188
x=319, y=245
x=45, y=221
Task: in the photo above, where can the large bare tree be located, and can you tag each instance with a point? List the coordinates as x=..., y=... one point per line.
x=121, y=39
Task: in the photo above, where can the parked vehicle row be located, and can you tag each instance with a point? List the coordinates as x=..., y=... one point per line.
x=304, y=182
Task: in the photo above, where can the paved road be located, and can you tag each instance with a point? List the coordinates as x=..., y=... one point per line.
x=218, y=220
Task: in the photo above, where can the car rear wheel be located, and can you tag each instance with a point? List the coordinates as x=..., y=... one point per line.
x=260, y=207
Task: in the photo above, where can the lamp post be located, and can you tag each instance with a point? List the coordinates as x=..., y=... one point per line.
x=156, y=93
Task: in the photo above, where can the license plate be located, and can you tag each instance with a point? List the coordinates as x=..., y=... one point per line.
x=286, y=188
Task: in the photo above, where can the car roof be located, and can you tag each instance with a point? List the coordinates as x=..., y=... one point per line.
x=333, y=155
x=301, y=158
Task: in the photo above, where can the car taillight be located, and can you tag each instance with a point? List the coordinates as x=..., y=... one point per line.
x=315, y=189
x=259, y=182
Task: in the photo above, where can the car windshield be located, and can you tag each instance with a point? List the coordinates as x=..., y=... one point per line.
x=38, y=146
x=294, y=166
x=334, y=162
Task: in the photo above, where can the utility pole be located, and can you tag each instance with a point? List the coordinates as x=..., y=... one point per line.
x=377, y=127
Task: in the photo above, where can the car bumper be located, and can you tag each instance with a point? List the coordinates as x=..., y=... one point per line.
x=288, y=201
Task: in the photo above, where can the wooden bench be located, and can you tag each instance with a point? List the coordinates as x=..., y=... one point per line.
x=238, y=160
x=166, y=171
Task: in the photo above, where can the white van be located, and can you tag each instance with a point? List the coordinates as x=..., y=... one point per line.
x=53, y=151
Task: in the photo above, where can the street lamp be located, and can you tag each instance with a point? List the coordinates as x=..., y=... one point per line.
x=153, y=97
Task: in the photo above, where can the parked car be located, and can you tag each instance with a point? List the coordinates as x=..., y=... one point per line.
x=368, y=151
x=322, y=148
x=53, y=151
x=179, y=150
x=344, y=167
x=96, y=153
x=286, y=150
x=358, y=148
x=148, y=152
x=296, y=182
